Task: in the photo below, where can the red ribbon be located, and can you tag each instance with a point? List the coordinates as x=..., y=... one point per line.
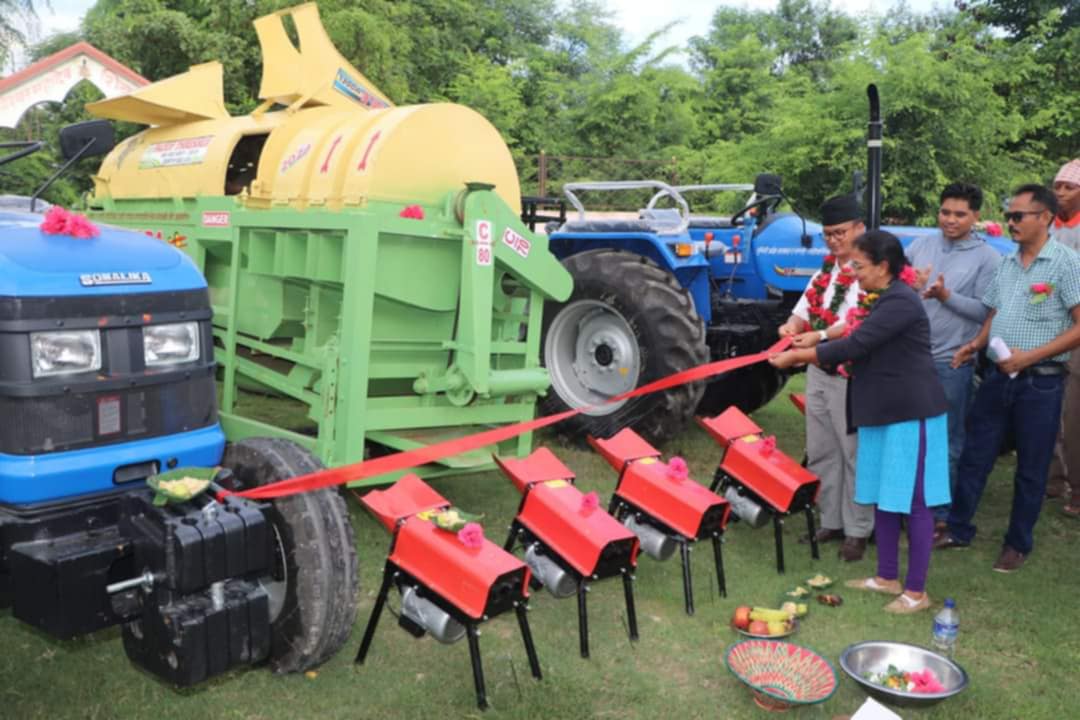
x=431, y=453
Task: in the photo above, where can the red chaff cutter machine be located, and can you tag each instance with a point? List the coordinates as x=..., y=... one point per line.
x=569, y=541
x=447, y=588
x=663, y=506
x=759, y=480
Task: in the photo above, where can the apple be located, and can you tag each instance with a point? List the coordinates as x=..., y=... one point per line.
x=741, y=618
x=759, y=627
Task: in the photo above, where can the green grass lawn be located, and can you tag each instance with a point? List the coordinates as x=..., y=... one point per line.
x=1016, y=638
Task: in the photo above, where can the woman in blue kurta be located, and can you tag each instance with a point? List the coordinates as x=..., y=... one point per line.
x=896, y=402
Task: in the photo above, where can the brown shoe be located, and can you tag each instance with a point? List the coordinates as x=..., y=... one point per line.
x=823, y=535
x=852, y=549
x=1009, y=560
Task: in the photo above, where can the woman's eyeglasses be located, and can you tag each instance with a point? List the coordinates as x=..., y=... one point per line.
x=1016, y=216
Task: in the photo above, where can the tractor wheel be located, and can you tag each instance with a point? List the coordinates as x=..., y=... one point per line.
x=626, y=324
x=314, y=583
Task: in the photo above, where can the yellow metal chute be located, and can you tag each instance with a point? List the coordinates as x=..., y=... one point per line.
x=195, y=95
x=314, y=74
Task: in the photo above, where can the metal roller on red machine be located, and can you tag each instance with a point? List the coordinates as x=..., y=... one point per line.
x=663, y=505
x=569, y=540
x=759, y=480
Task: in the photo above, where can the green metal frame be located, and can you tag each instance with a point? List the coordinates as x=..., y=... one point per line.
x=389, y=330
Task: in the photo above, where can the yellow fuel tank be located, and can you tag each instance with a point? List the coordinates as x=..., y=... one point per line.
x=337, y=142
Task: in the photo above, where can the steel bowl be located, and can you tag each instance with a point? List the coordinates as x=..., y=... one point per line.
x=875, y=656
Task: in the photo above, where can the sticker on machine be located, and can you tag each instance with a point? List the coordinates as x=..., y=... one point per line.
x=483, y=232
x=108, y=412
x=516, y=242
x=483, y=255
x=186, y=151
x=215, y=219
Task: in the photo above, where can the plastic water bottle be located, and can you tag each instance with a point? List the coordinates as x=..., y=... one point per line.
x=946, y=626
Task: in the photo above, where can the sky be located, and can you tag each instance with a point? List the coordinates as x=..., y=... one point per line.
x=636, y=17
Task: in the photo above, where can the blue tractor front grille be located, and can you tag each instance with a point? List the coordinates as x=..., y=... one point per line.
x=36, y=425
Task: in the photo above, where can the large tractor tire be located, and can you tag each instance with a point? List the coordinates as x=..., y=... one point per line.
x=627, y=323
x=314, y=584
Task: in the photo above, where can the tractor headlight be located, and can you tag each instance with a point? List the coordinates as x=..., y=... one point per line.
x=171, y=344
x=65, y=352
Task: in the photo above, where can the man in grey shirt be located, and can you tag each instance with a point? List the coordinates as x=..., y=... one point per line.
x=954, y=267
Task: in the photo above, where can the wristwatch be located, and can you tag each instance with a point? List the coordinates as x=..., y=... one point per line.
x=822, y=335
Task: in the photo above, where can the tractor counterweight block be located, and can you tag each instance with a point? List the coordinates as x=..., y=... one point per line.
x=190, y=547
x=202, y=610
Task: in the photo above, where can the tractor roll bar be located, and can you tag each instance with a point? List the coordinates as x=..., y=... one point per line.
x=684, y=209
x=716, y=187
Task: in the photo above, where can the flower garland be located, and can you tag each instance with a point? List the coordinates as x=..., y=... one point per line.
x=821, y=317
x=857, y=314
x=862, y=308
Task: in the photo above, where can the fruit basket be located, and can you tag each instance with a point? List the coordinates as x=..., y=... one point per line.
x=780, y=674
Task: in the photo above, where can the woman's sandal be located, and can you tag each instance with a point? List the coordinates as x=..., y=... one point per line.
x=889, y=587
x=906, y=605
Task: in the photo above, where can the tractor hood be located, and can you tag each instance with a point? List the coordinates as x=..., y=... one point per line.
x=33, y=263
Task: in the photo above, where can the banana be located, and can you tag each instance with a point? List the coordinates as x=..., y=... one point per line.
x=769, y=615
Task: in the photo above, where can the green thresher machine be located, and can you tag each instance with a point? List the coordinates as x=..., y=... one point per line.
x=364, y=260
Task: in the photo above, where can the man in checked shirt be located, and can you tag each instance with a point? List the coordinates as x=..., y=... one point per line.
x=1034, y=301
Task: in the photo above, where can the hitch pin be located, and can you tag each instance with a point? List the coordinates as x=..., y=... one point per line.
x=146, y=580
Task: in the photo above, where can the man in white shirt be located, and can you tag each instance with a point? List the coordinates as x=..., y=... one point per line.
x=818, y=317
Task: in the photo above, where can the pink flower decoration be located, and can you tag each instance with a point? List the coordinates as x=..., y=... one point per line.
x=589, y=502
x=471, y=536
x=768, y=446
x=413, y=212
x=677, y=468
x=926, y=682
x=1041, y=288
x=59, y=221
x=993, y=229
x=908, y=276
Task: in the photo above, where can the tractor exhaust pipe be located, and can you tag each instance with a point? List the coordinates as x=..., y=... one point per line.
x=873, y=160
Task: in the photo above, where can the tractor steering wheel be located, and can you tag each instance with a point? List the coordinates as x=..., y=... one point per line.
x=737, y=218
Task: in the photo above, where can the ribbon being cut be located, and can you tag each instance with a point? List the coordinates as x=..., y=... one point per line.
x=430, y=453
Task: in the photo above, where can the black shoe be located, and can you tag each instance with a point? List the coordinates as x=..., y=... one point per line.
x=944, y=541
x=823, y=535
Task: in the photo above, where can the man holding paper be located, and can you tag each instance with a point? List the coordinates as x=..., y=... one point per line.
x=1034, y=302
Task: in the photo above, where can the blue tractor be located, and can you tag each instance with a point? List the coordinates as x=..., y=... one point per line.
x=671, y=289
x=107, y=378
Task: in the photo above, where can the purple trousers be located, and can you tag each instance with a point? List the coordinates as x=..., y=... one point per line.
x=920, y=532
